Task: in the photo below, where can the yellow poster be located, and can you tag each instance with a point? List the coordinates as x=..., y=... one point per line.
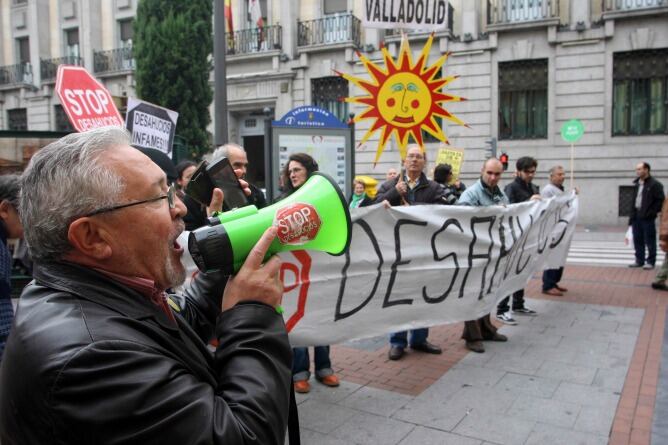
x=452, y=156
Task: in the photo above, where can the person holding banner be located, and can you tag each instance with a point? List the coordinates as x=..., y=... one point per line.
x=551, y=277
x=99, y=352
x=520, y=190
x=410, y=188
x=484, y=192
x=298, y=169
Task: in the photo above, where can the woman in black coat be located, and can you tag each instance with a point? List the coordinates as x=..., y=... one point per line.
x=298, y=169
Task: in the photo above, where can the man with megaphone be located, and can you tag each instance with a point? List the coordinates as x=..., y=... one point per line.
x=99, y=352
x=409, y=188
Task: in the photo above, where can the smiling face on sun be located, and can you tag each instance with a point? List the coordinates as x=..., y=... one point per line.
x=404, y=99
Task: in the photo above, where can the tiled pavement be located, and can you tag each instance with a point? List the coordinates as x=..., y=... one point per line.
x=585, y=370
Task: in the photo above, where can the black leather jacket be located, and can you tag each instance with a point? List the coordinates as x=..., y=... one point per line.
x=652, y=199
x=520, y=191
x=91, y=361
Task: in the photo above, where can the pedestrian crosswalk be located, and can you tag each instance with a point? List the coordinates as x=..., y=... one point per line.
x=604, y=253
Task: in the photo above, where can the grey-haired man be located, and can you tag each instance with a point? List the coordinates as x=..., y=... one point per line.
x=100, y=353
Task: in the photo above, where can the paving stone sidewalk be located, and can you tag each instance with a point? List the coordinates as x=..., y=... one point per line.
x=584, y=371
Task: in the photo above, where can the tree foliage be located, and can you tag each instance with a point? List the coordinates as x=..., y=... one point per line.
x=172, y=48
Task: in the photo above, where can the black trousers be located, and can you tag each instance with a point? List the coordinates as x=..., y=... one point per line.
x=551, y=278
x=644, y=234
x=518, y=302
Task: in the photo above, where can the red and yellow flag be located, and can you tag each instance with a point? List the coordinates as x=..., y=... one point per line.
x=229, y=25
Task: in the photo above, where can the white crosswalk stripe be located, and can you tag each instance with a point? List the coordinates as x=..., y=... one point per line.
x=605, y=253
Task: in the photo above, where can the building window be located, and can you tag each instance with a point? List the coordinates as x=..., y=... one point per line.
x=23, y=47
x=18, y=119
x=126, y=32
x=263, y=11
x=62, y=121
x=328, y=93
x=335, y=6
x=640, y=93
x=72, y=43
x=523, y=99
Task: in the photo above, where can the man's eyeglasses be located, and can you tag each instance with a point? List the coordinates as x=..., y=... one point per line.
x=170, y=197
x=413, y=156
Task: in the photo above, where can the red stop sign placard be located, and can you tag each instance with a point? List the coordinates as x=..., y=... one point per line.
x=86, y=101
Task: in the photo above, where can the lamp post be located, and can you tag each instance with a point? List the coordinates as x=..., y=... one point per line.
x=219, y=74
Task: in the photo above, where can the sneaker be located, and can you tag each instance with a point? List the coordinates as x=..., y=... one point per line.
x=525, y=311
x=648, y=266
x=635, y=265
x=506, y=318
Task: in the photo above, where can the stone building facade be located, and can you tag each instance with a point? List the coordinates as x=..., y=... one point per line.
x=526, y=67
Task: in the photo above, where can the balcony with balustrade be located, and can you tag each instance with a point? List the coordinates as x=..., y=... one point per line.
x=48, y=68
x=113, y=62
x=329, y=32
x=254, y=42
x=614, y=9
x=12, y=76
x=514, y=14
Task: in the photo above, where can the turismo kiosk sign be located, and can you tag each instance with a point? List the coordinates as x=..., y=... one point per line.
x=317, y=132
x=86, y=101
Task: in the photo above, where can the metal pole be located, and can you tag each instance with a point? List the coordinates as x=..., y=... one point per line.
x=351, y=124
x=572, y=163
x=219, y=72
x=268, y=160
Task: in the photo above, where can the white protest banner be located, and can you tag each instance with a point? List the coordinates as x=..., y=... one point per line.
x=419, y=266
x=428, y=15
x=151, y=126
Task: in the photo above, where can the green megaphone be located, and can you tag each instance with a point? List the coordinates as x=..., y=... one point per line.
x=314, y=217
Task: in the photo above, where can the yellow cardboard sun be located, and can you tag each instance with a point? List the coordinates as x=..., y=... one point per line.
x=404, y=98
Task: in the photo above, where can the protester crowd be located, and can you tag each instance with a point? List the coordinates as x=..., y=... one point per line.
x=101, y=330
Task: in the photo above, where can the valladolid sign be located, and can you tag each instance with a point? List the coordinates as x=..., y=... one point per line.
x=411, y=14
